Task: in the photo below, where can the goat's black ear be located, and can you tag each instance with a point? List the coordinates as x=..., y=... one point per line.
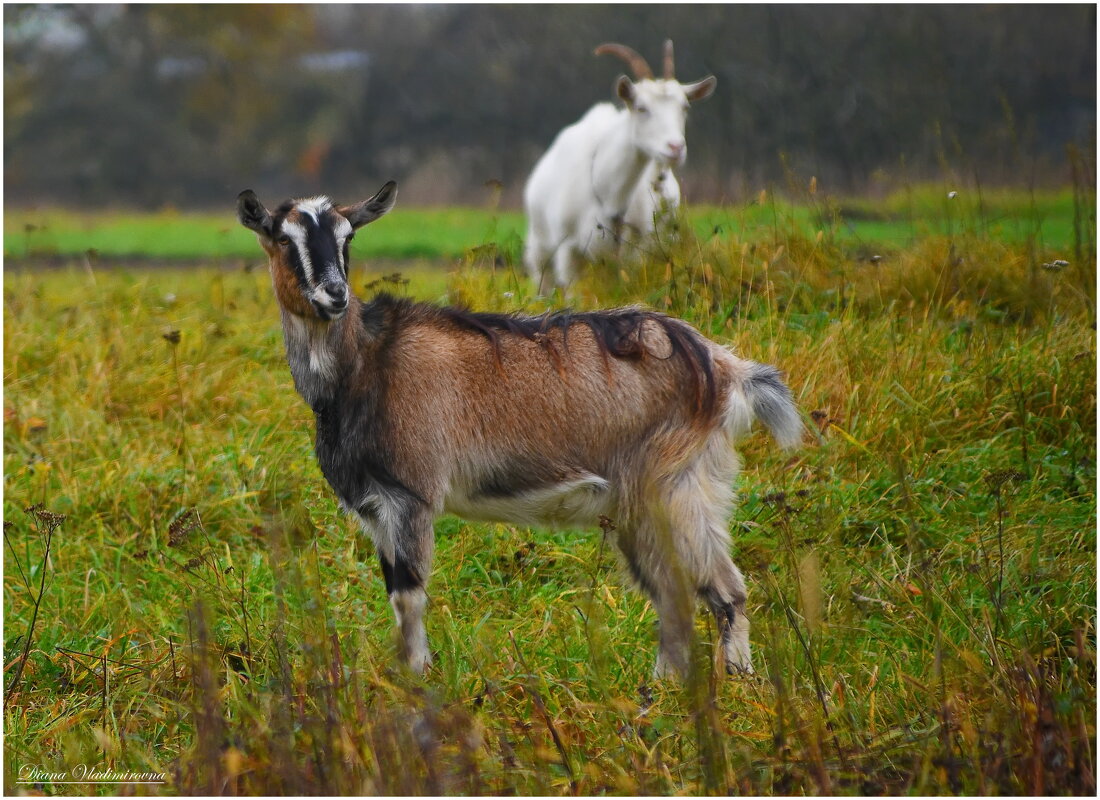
x=252, y=214
x=700, y=90
x=625, y=90
x=370, y=210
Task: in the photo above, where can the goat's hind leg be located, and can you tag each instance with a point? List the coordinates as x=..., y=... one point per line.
x=690, y=552
x=704, y=501
x=655, y=565
x=725, y=596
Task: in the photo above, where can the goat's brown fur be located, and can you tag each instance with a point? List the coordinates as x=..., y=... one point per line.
x=557, y=420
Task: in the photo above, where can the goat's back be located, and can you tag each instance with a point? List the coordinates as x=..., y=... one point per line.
x=583, y=383
x=562, y=177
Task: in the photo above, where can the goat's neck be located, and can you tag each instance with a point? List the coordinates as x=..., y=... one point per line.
x=323, y=355
x=617, y=167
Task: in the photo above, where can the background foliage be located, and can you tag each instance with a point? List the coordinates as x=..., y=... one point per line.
x=142, y=105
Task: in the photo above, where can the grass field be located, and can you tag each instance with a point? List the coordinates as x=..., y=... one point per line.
x=898, y=221
x=183, y=597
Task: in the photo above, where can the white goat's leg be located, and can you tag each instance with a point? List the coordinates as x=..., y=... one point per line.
x=565, y=265
x=538, y=260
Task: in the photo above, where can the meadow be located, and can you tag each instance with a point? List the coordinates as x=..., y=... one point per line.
x=1047, y=219
x=183, y=598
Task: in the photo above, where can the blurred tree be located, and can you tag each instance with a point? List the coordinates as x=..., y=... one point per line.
x=175, y=104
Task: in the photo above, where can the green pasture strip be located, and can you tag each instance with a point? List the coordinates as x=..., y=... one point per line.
x=921, y=572
x=895, y=221
x=903, y=218
x=414, y=233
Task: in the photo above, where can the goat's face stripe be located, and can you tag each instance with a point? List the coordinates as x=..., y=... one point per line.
x=343, y=231
x=299, y=238
x=314, y=207
x=319, y=239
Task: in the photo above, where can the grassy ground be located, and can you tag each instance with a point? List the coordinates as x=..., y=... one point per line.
x=896, y=222
x=922, y=574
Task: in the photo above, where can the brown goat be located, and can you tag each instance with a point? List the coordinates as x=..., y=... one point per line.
x=557, y=420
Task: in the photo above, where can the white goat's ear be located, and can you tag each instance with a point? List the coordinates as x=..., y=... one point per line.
x=252, y=214
x=370, y=210
x=625, y=90
x=700, y=90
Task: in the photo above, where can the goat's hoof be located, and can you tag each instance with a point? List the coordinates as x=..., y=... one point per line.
x=740, y=671
x=667, y=669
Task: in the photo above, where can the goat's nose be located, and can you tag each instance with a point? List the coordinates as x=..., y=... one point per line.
x=676, y=146
x=337, y=293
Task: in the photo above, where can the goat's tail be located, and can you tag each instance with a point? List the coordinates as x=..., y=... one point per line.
x=762, y=395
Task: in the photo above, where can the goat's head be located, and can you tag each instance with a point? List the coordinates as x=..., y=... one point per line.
x=306, y=242
x=658, y=106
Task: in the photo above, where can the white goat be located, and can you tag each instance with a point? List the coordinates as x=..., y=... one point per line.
x=609, y=176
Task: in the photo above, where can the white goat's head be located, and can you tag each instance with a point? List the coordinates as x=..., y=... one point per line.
x=658, y=106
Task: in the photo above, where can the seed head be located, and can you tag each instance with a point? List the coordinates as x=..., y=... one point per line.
x=181, y=526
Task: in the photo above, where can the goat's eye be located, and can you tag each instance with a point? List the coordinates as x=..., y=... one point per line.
x=283, y=240
x=350, y=236
x=642, y=110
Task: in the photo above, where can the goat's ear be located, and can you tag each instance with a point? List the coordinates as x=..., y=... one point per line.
x=370, y=210
x=700, y=90
x=252, y=214
x=625, y=90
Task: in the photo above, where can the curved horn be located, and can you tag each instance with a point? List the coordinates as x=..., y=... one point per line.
x=670, y=69
x=636, y=62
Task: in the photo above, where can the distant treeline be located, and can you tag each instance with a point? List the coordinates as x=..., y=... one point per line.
x=185, y=105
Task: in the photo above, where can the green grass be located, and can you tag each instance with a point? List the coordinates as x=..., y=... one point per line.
x=895, y=222
x=418, y=233
x=902, y=219
x=922, y=573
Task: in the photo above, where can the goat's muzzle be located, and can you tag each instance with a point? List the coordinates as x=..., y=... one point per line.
x=330, y=300
x=673, y=154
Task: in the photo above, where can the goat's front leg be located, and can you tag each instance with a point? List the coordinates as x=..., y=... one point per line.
x=565, y=267
x=406, y=576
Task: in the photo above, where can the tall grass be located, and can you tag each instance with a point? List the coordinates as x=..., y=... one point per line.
x=922, y=574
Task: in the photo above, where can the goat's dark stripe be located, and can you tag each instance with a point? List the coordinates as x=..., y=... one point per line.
x=399, y=576
x=725, y=612
x=321, y=242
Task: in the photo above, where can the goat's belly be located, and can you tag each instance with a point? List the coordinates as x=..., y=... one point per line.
x=578, y=502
